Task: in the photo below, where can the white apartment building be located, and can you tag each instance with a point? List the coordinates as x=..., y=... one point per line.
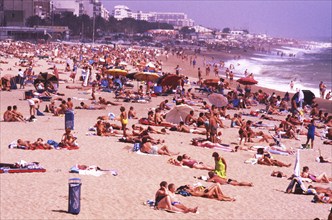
x=104, y=13
x=80, y=7
x=60, y=6
x=121, y=11
x=176, y=19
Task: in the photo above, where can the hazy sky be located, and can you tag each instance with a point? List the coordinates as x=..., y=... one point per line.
x=299, y=19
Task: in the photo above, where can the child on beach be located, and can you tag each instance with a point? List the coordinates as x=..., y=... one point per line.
x=123, y=119
x=311, y=134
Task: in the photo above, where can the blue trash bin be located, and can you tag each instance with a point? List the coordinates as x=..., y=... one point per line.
x=74, y=197
x=69, y=119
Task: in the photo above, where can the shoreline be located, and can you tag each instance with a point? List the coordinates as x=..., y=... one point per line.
x=324, y=104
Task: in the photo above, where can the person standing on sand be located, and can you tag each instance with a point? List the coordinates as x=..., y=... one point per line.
x=199, y=73
x=311, y=134
x=231, y=76
x=207, y=70
x=291, y=84
x=213, y=127
x=177, y=70
x=216, y=70
x=21, y=78
x=322, y=89
x=124, y=120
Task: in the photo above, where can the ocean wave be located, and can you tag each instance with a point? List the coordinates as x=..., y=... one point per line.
x=267, y=59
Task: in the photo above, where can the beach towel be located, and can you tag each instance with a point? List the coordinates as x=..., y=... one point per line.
x=141, y=153
x=22, y=167
x=92, y=171
x=251, y=161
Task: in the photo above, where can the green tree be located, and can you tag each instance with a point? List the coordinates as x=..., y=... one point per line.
x=226, y=30
x=34, y=20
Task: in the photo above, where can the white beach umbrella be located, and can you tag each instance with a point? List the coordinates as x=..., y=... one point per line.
x=178, y=113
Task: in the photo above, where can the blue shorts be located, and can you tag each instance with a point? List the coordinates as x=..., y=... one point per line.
x=311, y=136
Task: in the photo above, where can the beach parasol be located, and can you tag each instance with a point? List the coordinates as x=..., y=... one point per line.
x=131, y=75
x=46, y=79
x=151, y=65
x=116, y=72
x=247, y=81
x=308, y=96
x=170, y=80
x=146, y=76
x=178, y=113
x=218, y=100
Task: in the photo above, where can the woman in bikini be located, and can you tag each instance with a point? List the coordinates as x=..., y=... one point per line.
x=322, y=178
x=212, y=192
x=185, y=160
x=209, y=144
x=124, y=120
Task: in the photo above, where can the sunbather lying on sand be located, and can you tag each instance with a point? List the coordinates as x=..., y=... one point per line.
x=185, y=160
x=264, y=158
x=85, y=106
x=278, y=174
x=319, y=190
x=148, y=148
x=209, y=144
x=139, y=130
x=103, y=101
x=212, y=192
x=266, y=117
x=321, y=178
x=37, y=145
x=184, y=128
x=213, y=177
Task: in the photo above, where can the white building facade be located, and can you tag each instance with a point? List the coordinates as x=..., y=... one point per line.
x=176, y=19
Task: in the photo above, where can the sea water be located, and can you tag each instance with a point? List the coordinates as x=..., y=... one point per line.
x=306, y=67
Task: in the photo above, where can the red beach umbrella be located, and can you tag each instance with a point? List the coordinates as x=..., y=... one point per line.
x=211, y=82
x=247, y=81
x=170, y=80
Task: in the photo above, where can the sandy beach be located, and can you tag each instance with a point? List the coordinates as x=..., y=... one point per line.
x=45, y=195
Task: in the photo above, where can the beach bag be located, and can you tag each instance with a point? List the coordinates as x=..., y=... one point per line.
x=53, y=143
x=298, y=189
x=39, y=113
x=137, y=147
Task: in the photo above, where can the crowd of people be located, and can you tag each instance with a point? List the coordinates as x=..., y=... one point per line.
x=279, y=119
